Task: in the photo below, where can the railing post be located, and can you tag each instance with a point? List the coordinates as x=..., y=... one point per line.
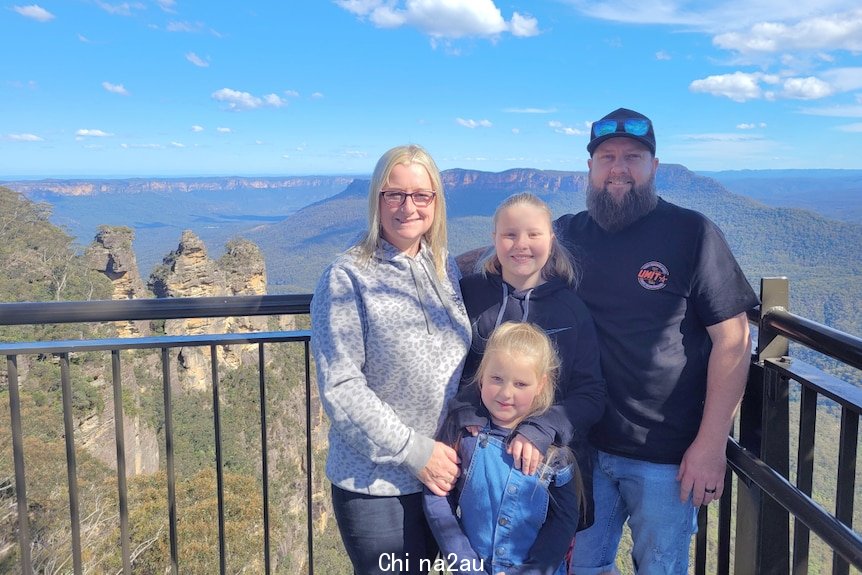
x=762, y=525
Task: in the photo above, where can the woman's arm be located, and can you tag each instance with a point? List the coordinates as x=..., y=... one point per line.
x=367, y=422
x=455, y=548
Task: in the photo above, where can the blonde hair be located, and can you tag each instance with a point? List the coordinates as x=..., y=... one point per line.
x=435, y=237
x=560, y=262
x=526, y=341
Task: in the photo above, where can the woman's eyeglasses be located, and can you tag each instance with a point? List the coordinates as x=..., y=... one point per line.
x=633, y=126
x=396, y=198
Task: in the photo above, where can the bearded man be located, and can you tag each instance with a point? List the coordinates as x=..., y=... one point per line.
x=669, y=300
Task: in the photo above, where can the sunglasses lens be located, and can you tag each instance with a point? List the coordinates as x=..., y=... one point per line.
x=604, y=127
x=636, y=126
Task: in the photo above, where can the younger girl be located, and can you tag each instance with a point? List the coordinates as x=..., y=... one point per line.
x=490, y=520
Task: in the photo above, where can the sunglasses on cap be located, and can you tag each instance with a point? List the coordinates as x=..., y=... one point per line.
x=633, y=126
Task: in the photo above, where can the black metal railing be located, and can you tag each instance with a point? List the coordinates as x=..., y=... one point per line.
x=759, y=461
x=74, y=312
x=766, y=498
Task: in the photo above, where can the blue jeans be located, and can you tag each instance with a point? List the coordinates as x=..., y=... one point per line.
x=647, y=495
x=384, y=535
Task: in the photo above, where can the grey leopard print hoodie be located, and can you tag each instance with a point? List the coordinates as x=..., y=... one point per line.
x=389, y=339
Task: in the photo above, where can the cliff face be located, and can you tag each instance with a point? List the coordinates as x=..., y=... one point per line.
x=111, y=253
x=170, y=185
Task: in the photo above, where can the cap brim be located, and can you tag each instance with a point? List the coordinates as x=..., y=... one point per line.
x=596, y=142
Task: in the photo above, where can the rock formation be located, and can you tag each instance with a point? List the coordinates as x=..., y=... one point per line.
x=189, y=272
x=111, y=253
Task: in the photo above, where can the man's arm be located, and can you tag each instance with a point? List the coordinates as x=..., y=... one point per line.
x=703, y=465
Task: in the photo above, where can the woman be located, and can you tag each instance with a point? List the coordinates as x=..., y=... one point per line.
x=389, y=334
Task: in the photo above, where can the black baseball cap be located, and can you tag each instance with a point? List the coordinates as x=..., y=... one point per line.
x=622, y=123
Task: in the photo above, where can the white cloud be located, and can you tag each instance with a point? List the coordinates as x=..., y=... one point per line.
x=83, y=39
x=854, y=128
x=174, y=26
x=530, y=110
x=177, y=145
x=197, y=60
x=222, y=130
x=746, y=126
x=662, y=55
x=34, y=12
x=19, y=85
x=142, y=146
x=851, y=111
x=23, y=138
x=291, y=93
x=237, y=100
x=124, y=9
x=84, y=132
x=167, y=5
x=317, y=96
x=516, y=131
x=738, y=86
x=474, y=123
x=197, y=128
x=559, y=128
x=743, y=86
x=115, y=88
x=713, y=17
x=844, y=79
x=443, y=18
x=719, y=137
x=835, y=31
x=523, y=26
x=274, y=100
x=810, y=88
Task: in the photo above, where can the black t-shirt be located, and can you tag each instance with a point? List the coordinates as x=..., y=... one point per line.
x=652, y=289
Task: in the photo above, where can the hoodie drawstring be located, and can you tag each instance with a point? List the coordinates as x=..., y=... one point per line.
x=419, y=292
x=506, y=301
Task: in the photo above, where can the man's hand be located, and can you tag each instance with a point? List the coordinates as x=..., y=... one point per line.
x=701, y=472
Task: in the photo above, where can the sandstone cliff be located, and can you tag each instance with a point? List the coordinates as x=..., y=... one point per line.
x=189, y=272
x=111, y=253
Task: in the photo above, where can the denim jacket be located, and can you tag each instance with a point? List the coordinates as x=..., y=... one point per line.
x=490, y=522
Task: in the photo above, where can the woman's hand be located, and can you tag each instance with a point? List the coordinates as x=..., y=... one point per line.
x=526, y=455
x=441, y=471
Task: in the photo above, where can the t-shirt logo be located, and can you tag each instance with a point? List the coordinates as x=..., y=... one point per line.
x=653, y=275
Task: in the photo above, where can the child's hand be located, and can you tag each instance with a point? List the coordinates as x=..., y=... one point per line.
x=473, y=430
x=526, y=455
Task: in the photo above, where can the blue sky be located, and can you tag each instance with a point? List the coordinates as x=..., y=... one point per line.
x=186, y=88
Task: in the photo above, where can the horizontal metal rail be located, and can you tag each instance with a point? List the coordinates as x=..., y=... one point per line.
x=31, y=313
x=74, y=345
x=841, y=538
x=842, y=346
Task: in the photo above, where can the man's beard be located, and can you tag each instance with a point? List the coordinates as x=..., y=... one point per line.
x=613, y=216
